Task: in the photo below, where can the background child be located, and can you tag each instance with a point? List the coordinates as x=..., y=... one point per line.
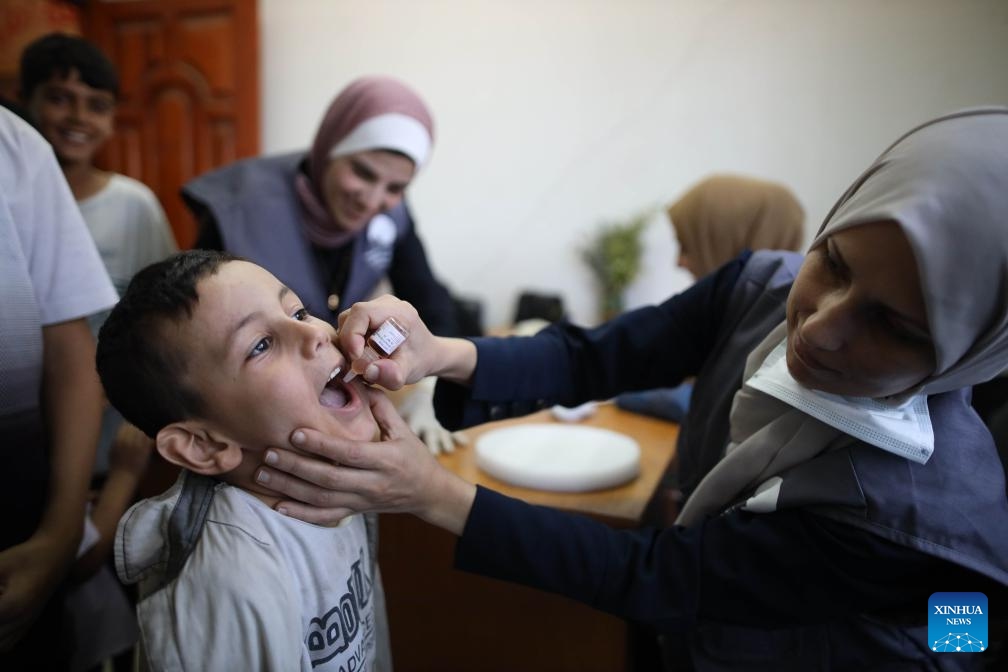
x=69, y=89
x=214, y=357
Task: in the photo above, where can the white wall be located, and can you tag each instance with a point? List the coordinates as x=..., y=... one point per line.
x=554, y=116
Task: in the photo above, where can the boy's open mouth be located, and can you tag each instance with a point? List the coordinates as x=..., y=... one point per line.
x=335, y=393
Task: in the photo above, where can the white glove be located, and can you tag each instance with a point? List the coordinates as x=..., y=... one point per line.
x=417, y=408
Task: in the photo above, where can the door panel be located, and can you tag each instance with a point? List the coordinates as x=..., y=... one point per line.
x=189, y=102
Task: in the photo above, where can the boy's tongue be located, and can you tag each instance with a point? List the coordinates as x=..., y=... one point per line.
x=333, y=396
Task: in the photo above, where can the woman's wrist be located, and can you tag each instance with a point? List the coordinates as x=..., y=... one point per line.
x=452, y=502
x=457, y=360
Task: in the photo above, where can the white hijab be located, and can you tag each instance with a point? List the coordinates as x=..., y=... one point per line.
x=945, y=183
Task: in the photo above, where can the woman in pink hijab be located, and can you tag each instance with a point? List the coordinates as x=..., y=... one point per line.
x=331, y=222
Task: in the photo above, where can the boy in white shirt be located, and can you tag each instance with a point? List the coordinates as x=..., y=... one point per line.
x=216, y=360
x=70, y=90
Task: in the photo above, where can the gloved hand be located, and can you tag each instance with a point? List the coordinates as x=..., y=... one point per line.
x=417, y=408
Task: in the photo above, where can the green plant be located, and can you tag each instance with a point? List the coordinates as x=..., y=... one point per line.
x=614, y=255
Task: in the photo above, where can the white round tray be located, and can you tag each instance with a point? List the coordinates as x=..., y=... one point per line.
x=558, y=458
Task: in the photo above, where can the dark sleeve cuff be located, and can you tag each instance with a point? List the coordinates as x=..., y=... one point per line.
x=494, y=394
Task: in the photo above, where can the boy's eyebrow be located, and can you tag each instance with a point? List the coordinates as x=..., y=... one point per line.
x=284, y=291
x=62, y=86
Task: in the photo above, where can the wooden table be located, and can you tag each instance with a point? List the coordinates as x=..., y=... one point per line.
x=446, y=620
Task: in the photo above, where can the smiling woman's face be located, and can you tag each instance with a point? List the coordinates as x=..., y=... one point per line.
x=856, y=318
x=359, y=186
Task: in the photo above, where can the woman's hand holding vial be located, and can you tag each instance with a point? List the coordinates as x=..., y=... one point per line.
x=382, y=342
x=418, y=353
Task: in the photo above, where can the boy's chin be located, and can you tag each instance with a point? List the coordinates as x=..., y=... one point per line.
x=72, y=158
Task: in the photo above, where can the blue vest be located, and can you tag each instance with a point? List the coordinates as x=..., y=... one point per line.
x=954, y=507
x=259, y=217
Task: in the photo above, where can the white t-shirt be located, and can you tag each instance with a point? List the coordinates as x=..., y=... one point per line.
x=259, y=591
x=131, y=231
x=129, y=228
x=50, y=271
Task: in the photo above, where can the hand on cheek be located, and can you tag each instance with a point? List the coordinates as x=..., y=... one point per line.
x=396, y=473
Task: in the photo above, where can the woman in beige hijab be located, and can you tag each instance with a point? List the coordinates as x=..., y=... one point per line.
x=723, y=215
x=716, y=220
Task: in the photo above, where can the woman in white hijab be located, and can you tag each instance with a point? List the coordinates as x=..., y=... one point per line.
x=839, y=475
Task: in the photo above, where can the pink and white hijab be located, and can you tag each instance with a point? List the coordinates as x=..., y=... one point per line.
x=370, y=113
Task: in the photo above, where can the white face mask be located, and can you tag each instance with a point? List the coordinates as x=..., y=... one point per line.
x=903, y=430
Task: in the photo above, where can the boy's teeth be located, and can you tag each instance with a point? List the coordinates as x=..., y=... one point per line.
x=335, y=372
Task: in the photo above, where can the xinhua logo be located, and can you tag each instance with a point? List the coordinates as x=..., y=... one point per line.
x=957, y=622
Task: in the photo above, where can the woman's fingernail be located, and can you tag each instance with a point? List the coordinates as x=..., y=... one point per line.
x=371, y=372
x=298, y=438
x=262, y=477
x=271, y=457
x=282, y=510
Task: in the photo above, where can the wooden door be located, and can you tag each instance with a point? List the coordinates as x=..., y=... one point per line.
x=24, y=21
x=189, y=90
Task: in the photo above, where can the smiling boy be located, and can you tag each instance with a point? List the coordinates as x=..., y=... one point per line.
x=70, y=90
x=214, y=358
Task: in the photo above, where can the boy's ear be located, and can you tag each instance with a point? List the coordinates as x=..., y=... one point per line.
x=192, y=447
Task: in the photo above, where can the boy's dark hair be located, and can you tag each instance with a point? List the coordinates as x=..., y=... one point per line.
x=58, y=54
x=141, y=372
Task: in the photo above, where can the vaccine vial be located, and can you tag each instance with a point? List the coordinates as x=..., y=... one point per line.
x=382, y=342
